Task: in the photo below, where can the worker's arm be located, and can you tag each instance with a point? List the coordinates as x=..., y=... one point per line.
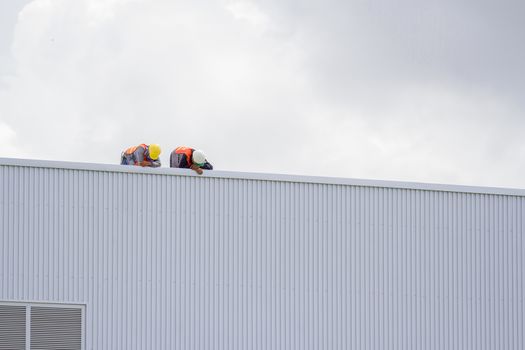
x=174, y=160
x=150, y=163
x=155, y=163
x=196, y=168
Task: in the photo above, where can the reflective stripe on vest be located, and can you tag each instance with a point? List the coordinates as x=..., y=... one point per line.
x=132, y=150
x=187, y=151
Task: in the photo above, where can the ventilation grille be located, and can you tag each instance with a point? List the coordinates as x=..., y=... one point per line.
x=12, y=327
x=55, y=328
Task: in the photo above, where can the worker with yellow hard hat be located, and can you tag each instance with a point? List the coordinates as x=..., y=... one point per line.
x=142, y=155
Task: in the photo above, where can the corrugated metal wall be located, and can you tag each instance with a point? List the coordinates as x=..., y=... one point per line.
x=187, y=262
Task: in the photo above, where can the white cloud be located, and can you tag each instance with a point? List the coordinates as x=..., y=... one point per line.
x=7, y=142
x=134, y=72
x=248, y=11
x=432, y=134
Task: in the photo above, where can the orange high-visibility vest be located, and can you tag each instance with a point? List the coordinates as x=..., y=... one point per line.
x=187, y=151
x=132, y=150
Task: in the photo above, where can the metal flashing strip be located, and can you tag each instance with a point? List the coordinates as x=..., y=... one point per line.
x=263, y=177
x=57, y=303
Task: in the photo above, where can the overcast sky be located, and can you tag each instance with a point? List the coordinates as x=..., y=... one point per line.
x=428, y=91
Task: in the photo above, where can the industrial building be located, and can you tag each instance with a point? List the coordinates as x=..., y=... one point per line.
x=96, y=256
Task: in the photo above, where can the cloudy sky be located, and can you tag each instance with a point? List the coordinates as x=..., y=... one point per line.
x=429, y=91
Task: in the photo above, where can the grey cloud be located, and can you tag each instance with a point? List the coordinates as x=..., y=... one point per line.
x=354, y=45
x=413, y=91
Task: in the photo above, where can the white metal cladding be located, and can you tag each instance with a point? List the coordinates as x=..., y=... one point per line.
x=175, y=261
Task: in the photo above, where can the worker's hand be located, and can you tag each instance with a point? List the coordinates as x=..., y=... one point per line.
x=196, y=168
x=145, y=163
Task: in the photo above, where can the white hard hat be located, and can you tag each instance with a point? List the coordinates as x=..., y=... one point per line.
x=199, y=157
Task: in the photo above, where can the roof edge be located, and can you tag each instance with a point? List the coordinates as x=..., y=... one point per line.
x=262, y=177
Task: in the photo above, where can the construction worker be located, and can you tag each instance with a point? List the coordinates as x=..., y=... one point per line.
x=142, y=155
x=186, y=157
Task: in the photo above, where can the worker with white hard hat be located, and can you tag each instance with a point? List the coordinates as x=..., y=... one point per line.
x=186, y=157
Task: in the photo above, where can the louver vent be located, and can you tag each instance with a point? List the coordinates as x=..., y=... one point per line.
x=56, y=328
x=12, y=327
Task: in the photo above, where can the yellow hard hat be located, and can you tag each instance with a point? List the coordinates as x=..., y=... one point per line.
x=154, y=151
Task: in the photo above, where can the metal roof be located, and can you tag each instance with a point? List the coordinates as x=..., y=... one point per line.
x=157, y=258
x=263, y=177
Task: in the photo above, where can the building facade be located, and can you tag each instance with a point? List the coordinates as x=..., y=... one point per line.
x=112, y=257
